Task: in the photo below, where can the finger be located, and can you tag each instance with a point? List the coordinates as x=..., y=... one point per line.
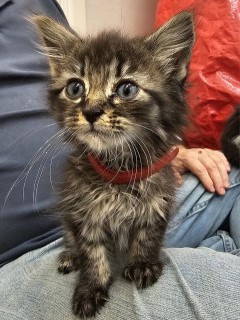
x=218, y=158
x=225, y=160
x=213, y=172
x=197, y=168
x=178, y=178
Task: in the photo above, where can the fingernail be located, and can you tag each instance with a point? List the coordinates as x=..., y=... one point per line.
x=222, y=191
x=212, y=189
x=226, y=184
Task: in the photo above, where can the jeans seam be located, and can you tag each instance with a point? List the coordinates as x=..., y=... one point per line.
x=234, y=182
x=200, y=206
x=226, y=241
x=197, y=208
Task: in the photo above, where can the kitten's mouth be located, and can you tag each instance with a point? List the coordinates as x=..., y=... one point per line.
x=98, y=137
x=99, y=130
x=92, y=128
x=93, y=131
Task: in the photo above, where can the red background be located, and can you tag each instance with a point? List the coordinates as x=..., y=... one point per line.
x=214, y=76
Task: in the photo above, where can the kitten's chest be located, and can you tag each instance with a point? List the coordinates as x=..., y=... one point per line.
x=122, y=211
x=123, y=206
x=117, y=208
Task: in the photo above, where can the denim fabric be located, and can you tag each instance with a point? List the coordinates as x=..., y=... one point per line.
x=234, y=222
x=196, y=284
x=200, y=214
x=220, y=242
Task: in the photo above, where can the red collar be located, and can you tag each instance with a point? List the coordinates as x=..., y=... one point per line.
x=125, y=177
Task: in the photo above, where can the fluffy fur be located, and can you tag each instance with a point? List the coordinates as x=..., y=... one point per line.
x=230, y=140
x=126, y=133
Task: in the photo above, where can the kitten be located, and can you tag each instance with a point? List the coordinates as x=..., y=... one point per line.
x=230, y=140
x=121, y=104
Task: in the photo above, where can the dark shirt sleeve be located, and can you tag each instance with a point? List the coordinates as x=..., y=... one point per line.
x=31, y=151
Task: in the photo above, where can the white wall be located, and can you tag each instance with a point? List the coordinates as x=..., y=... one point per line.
x=75, y=11
x=90, y=16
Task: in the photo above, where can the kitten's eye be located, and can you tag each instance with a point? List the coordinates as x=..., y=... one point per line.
x=127, y=90
x=75, y=89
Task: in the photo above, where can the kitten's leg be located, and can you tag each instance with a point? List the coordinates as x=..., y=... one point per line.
x=145, y=266
x=94, y=280
x=68, y=260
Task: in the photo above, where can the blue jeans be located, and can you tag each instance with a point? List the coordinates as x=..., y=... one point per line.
x=196, y=283
x=201, y=215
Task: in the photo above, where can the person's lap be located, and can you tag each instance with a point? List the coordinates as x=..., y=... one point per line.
x=201, y=215
x=195, y=284
x=31, y=287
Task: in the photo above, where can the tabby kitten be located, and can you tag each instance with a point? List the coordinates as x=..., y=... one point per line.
x=230, y=140
x=121, y=104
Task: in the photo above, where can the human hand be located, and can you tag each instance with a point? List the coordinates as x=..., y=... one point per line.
x=210, y=166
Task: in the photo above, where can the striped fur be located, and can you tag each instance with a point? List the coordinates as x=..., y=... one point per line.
x=100, y=217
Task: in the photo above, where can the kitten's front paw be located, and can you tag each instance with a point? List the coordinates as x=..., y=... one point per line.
x=87, y=302
x=67, y=262
x=144, y=274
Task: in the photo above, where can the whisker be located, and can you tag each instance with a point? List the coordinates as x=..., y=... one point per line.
x=161, y=140
x=129, y=184
x=43, y=163
x=149, y=161
x=27, y=134
x=28, y=167
x=132, y=181
x=119, y=169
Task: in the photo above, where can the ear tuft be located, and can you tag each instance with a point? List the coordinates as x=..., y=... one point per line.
x=172, y=44
x=55, y=38
x=53, y=33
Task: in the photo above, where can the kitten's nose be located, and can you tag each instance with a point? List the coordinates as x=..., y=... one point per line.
x=91, y=115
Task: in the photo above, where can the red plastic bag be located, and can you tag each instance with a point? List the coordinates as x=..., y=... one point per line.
x=215, y=66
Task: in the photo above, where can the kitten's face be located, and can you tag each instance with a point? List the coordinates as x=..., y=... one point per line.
x=109, y=90
x=103, y=96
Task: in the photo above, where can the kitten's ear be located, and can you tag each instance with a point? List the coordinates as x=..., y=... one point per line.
x=56, y=40
x=172, y=44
